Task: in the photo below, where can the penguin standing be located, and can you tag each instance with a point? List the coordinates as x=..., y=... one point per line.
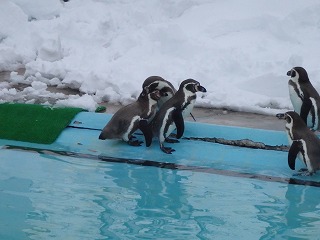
x=303, y=143
x=304, y=97
x=172, y=111
x=134, y=116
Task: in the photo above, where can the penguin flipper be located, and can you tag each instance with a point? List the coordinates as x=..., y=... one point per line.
x=305, y=109
x=179, y=122
x=295, y=148
x=145, y=128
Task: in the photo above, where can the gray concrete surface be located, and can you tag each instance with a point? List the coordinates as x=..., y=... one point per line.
x=226, y=117
x=204, y=115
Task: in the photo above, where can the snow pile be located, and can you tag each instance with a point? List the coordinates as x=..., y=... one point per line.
x=105, y=49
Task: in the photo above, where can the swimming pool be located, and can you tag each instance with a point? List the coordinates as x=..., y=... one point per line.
x=204, y=191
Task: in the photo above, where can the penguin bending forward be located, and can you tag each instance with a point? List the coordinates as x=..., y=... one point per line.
x=132, y=117
x=303, y=143
x=171, y=112
x=304, y=97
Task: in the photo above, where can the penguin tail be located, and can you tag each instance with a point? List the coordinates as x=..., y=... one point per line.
x=101, y=136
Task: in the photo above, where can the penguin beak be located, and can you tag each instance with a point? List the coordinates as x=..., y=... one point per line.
x=156, y=95
x=281, y=115
x=199, y=88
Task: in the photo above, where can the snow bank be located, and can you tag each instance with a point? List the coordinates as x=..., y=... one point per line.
x=239, y=51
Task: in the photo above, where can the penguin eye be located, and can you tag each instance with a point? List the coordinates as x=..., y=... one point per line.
x=191, y=87
x=288, y=119
x=163, y=92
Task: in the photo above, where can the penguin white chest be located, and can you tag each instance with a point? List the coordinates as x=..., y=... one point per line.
x=295, y=99
x=188, y=109
x=163, y=132
x=188, y=103
x=306, y=158
x=289, y=133
x=126, y=135
x=297, y=102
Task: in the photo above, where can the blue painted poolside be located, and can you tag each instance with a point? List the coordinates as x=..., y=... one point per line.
x=80, y=187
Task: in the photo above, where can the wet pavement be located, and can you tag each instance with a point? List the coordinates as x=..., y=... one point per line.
x=204, y=115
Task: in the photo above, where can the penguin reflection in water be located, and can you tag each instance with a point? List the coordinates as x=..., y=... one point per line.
x=132, y=117
x=170, y=115
x=303, y=143
x=304, y=97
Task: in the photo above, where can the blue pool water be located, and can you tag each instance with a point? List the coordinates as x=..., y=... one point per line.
x=44, y=196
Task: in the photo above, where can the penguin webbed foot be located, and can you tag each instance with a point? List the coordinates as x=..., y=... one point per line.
x=303, y=169
x=171, y=140
x=304, y=173
x=135, y=143
x=167, y=150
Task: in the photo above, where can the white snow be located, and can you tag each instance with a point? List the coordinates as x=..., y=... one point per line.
x=240, y=51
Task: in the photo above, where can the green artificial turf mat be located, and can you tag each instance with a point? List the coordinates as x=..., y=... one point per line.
x=34, y=123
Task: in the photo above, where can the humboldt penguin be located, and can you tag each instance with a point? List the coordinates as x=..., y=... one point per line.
x=303, y=143
x=132, y=117
x=172, y=111
x=304, y=97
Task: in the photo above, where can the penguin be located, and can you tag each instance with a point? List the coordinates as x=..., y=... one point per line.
x=167, y=90
x=304, y=97
x=171, y=113
x=303, y=143
x=134, y=116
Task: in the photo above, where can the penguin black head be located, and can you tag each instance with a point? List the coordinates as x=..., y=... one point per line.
x=156, y=82
x=291, y=119
x=192, y=86
x=288, y=118
x=152, y=81
x=298, y=74
x=294, y=119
